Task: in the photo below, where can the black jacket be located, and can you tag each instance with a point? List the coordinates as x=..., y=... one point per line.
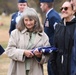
x=64, y=41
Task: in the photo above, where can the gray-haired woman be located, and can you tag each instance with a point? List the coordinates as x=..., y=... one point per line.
x=28, y=36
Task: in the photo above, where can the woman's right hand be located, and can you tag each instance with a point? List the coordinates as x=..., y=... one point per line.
x=28, y=53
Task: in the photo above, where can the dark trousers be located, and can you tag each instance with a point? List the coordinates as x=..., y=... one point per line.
x=49, y=68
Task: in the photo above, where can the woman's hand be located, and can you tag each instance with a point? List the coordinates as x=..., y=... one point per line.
x=28, y=53
x=37, y=53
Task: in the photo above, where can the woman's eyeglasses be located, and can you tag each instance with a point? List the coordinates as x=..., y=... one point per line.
x=65, y=8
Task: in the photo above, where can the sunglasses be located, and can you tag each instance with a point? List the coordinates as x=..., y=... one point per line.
x=65, y=8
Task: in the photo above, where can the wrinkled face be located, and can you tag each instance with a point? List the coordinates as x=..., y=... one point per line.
x=43, y=7
x=66, y=10
x=29, y=23
x=74, y=4
x=21, y=6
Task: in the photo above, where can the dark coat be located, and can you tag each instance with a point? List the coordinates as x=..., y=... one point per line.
x=64, y=41
x=13, y=22
x=73, y=56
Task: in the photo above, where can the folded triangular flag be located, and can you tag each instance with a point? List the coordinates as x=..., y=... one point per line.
x=1, y=50
x=46, y=49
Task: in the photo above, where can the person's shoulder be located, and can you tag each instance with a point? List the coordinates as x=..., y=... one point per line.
x=15, y=32
x=54, y=15
x=15, y=13
x=44, y=34
x=60, y=24
x=53, y=12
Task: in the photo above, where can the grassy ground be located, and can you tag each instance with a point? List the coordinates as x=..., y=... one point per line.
x=4, y=36
x=4, y=63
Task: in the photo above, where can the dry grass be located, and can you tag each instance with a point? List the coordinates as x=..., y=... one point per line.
x=4, y=63
x=4, y=36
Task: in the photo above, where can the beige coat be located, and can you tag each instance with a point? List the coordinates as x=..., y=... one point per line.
x=17, y=44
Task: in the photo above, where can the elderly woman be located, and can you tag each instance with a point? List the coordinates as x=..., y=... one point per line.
x=28, y=36
x=64, y=40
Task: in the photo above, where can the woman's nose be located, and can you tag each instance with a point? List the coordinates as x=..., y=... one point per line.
x=28, y=22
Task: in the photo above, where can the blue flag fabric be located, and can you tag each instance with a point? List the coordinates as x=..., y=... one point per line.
x=46, y=49
x=1, y=50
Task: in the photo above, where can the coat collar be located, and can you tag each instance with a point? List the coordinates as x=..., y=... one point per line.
x=25, y=30
x=36, y=40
